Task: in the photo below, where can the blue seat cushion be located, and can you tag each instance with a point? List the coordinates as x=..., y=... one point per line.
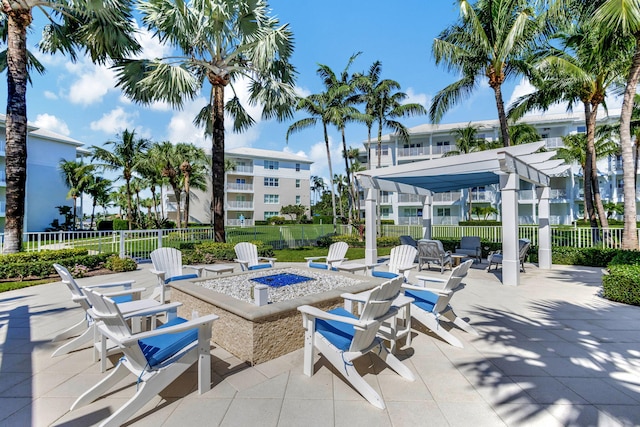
x=183, y=277
x=338, y=333
x=122, y=298
x=384, y=274
x=318, y=265
x=425, y=300
x=159, y=348
x=259, y=266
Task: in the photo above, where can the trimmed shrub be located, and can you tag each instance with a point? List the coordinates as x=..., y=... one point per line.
x=41, y=268
x=120, y=224
x=104, y=225
x=117, y=264
x=594, y=257
x=622, y=284
x=626, y=258
x=210, y=252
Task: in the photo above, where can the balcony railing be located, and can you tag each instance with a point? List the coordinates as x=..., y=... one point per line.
x=242, y=169
x=482, y=196
x=385, y=200
x=238, y=223
x=553, y=142
x=413, y=151
x=237, y=204
x=409, y=220
x=558, y=194
x=234, y=186
x=454, y=196
x=526, y=195
x=441, y=149
x=409, y=198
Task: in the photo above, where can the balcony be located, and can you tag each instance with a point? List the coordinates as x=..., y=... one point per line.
x=441, y=149
x=241, y=169
x=384, y=200
x=234, y=186
x=551, y=143
x=409, y=220
x=558, y=194
x=453, y=196
x=248, y=222
x=526, y=195
x=413, y=151
x=483, y=196
x=409, y=198
x=239, y=204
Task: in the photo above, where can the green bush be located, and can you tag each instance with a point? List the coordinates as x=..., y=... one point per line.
x=622, y=284
x=117, y=264
x=120, y=224
x=480, y=223
x=43, y=267
x=277, y=220
x=626, y=258
x=105, y=225
x=210, y=252
x=594, y=257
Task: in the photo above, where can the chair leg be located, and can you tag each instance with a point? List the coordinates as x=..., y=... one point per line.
x=79, y=342
x=460, y=323
x=429, y=320
x=118, y=374
x=394, y=363
x=73, y=331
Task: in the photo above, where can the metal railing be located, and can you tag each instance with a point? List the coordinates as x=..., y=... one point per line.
x=241, y=169
x=234, y=186
x=413, y=151
x=410, y=198
x=138, y=244
x=453, y=196
x=240, y=204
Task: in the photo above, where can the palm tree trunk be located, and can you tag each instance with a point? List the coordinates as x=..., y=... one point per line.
x=630, y=233
x=588, y=180
x=348, y=172
x=16, y=127
x=186, y=200
x=93, y=213
x=333, y=195
x=129, y=201
x=217, y=162
x=595, y=185
x=502, y=117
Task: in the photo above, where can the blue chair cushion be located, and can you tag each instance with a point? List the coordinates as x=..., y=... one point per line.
x=259, y=266
x=425, y=300
x=384, y=274
x=183, y=277
x=318, y=265
x=159, y=348
x=122, y=298
x=338, y=333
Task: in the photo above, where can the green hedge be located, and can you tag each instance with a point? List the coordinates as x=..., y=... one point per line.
x=44, y=267
x=622, y=284
x=210, y=252
x=594, y=257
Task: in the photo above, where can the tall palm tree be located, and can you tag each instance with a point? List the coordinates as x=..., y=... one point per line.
x=220, y=42
x=193, y=169
x=101, y=29
x=77, y=177
x=125, y=155
x=99, y=190
x=487, y=42
x=318, y=107
x=341, y=185
x=169, y=161
x=522, y=133
x=150, y=170
x=581, y=73
x=622, y=17
x=317, y=186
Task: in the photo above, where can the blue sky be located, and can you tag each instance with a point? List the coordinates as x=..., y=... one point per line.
x=80, y=100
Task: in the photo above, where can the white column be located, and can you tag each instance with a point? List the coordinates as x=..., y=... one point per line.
x=427, y=215
x=509, y=186
x=544, y=228
x=371, y=250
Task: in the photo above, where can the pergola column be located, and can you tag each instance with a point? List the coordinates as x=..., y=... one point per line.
x=509, y=186
x=427, y=215
x=371, y=250
x=544, y=228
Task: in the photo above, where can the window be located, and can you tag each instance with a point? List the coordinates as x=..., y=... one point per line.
x=297, y=167
x=297, y=200
x=582, y=129
x=384, y=150
x=271, y=199
x=297, y=183
x=271, y=164
x=442, y=143
x=443, y=211
x=384, y=211
x=269, y=214
x=240, y=181
x=271, y=182
x=620, y=184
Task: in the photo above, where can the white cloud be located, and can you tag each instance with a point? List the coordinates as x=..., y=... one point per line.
x=92, y=84
x=417, y=98
x=52, y=123
x=300, y=153
x=302, y=92
x=115, y=121
x=50, y=95
x=151, y=46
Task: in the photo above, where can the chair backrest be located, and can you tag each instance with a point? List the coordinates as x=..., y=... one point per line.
x=337, y=251
x=114, y=324
x=247, y=252
x=408, y=240
x=470, y=242
x=524, y=245
x=457, y=274
x=76, y=291
x=401, y=256
x=168, y=260
x=377, y=305
x=431, y=249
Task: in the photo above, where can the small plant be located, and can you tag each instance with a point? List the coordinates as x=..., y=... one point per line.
x=78, y=271
x=117, y=264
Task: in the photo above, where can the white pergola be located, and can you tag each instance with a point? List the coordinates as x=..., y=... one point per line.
x=503, y=166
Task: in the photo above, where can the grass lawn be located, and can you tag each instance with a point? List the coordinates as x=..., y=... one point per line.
x=298, y=255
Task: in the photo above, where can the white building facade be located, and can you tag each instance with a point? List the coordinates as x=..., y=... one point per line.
x=433, y=141
x=260, y=183
x=45, y=188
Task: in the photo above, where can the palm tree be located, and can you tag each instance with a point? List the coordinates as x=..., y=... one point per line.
x=317, y=186
x=341, y=183
x=169, y=162
x=77, y=177
x=193, y=168
x=99, y=189
x=487, y=42
x=151, y=171
x=581, y=73
x=125, y=155
x=222, y=42
x=622, y=18
x=102, y=29
x=522, y=133
x=318, y=107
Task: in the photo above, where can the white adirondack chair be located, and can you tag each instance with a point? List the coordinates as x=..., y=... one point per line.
x=401, y=261
x=167, y=266
x=342, y=337
x=247, y=257
x=432, y=304
x=334, y=258
x=127, y=298
x=155, y=358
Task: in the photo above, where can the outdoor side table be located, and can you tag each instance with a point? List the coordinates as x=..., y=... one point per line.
x=219, y=269
x=352, y=267
x=456, y=258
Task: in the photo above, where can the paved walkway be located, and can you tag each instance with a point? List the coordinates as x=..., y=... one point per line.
x=551, y=352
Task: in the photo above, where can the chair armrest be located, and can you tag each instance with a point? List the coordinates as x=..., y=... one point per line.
x=431, y=279
x=112, y=284
x=267, y=259
x=158, y=273
x=329, y=261
x=191, y=324
x=314, y=312
x=314, y=258
x=153, y=310
x=197, y=268
x=406, y=268
x=124, y=292
x=447, y=253
x=436, y=291
x=361, y=297
x=242, y=261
